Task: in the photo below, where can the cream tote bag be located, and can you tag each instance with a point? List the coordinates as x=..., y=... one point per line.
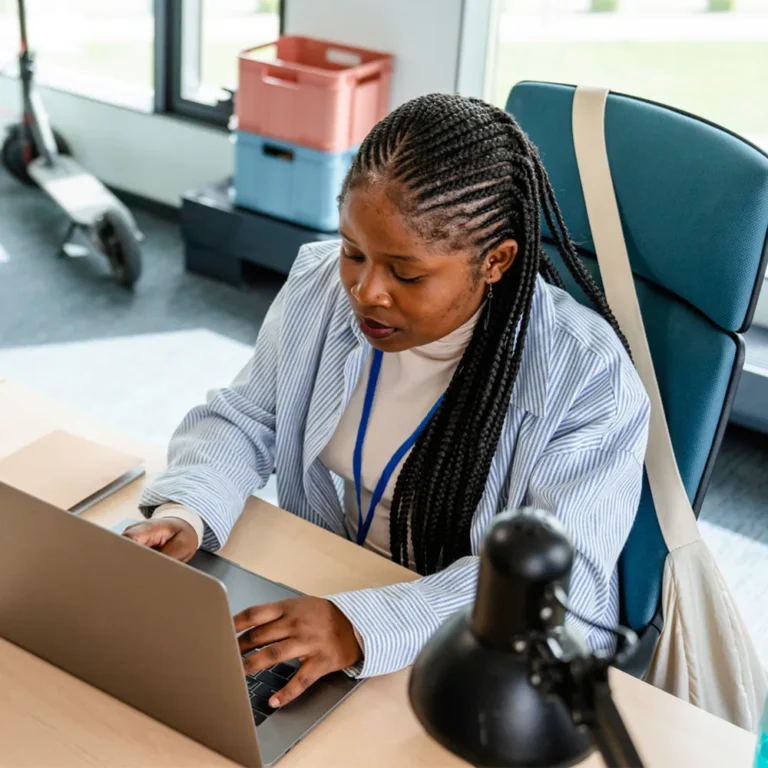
x=704, y=655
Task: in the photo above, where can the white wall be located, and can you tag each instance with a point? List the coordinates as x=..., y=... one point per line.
x=161, y=157
x=423, y=35
x=150, y=155
x=761, y=313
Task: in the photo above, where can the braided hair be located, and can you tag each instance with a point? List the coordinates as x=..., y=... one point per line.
x=464, y=173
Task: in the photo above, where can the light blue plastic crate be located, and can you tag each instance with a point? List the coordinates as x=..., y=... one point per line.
x=288, y=181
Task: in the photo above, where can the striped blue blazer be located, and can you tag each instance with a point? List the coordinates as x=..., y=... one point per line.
x=573, y=443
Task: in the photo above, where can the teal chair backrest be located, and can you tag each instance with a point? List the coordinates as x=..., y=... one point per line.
x=694, y=205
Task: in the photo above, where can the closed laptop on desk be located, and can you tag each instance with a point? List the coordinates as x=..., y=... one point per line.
x=150, y=631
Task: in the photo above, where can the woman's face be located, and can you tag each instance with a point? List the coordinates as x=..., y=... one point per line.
x=405, y=292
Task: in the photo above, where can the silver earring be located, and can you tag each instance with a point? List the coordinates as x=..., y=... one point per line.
x=488, y=299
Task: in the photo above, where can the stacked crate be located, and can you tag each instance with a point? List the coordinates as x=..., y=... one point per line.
x=303, y=107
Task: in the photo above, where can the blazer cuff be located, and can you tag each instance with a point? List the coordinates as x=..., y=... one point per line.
x=182, y=513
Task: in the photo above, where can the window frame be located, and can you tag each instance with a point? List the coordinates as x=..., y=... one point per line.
x=170, y=64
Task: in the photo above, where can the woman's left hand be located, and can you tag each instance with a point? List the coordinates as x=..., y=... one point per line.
x=310, y=629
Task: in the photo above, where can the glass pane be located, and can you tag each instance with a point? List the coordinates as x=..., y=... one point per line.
x=708, y=57
x=102, y=48
x=215, y=31
x=9, y=36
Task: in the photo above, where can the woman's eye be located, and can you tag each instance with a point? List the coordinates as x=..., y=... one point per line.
x=406, y=279
x=359, y=258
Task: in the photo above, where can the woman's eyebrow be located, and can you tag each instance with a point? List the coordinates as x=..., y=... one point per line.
x=401, y=257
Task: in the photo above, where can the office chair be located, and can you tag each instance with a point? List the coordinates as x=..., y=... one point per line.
x=693, y=199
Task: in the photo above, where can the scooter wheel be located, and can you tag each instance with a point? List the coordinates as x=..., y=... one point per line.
x=115, y=238
x=12, y=153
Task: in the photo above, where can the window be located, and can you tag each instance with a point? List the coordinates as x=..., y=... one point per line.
x=708, y=57
x=176, y=55
x=211, y=33
x=100, y=48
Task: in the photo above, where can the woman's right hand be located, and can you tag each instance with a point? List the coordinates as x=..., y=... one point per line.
x=170, y=535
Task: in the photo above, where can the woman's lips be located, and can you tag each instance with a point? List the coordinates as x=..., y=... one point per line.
x=374, y=329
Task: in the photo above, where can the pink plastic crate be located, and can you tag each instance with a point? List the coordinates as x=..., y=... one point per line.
x=314, y=93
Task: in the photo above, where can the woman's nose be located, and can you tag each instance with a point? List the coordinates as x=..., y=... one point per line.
x=370, y=291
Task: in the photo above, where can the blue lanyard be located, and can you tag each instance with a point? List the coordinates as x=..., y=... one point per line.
x=357, y=458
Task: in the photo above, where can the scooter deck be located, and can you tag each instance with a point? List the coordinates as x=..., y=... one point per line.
x=83, y=197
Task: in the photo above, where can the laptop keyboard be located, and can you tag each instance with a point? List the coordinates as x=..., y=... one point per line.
x=263, y=684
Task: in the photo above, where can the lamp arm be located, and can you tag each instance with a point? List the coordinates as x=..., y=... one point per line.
x=610, y=733
x=580, y=680
x=583, y=685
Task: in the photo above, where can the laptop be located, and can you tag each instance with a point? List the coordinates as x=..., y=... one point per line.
x=151, y=631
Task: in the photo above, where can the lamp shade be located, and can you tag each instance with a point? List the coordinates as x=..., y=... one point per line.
x=471, y=685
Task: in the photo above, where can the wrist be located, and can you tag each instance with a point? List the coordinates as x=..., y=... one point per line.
x=185, y=514
x=354, y=657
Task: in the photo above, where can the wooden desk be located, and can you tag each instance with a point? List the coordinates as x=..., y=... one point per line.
x=48, y=718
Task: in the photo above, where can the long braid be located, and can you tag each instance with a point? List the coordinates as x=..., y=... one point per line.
x=572, y=260
x=466, y=174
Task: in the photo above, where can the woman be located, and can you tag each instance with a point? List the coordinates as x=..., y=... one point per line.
x=410, y=383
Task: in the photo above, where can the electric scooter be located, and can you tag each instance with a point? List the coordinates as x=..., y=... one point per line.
x=35, y=154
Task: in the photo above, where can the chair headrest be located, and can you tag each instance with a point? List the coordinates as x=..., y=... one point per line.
x=693, y=197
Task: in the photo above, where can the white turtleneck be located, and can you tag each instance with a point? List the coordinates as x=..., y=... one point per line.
x=410, y=383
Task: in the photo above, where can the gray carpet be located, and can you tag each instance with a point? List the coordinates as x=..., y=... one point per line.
x=45, y=299
x=139, y=360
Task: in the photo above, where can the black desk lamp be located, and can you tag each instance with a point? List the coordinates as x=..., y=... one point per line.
x=504, y=684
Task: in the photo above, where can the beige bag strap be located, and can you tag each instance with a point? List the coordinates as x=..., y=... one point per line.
x=676, y=518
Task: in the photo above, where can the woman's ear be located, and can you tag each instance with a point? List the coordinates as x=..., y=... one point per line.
x=499, y=260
